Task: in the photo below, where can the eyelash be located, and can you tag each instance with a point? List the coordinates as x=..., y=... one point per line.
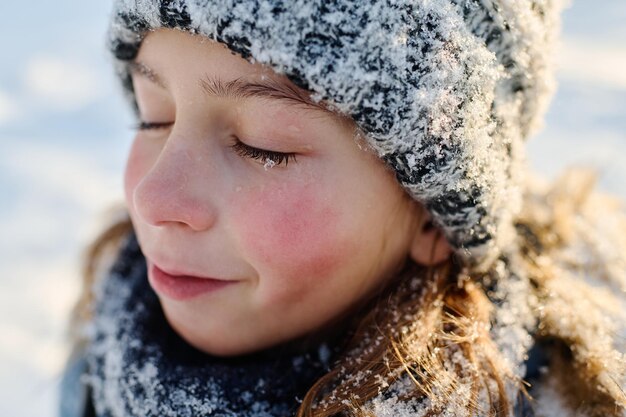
x=242, y=149
x=262, y=155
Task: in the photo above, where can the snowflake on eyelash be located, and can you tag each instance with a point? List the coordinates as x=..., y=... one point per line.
x=269, y=163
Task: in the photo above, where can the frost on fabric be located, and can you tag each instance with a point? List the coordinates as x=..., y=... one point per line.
x=393, y=404
x=585, y=304
x=445, y=90
x=514, y=317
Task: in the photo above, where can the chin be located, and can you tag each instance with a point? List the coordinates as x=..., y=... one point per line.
x=223, y=342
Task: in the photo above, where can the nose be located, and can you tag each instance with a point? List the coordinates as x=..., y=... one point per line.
x=176, y=190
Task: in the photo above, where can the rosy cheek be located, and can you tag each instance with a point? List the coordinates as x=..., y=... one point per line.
x=293, y=235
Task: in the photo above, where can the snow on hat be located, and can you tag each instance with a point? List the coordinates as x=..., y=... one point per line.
x=445, y=91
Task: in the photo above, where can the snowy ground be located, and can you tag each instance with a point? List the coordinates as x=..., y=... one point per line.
x=64, y=132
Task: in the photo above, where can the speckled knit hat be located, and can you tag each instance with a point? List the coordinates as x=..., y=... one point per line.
x=446, y=91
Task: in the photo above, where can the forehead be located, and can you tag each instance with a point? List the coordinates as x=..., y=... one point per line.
x=168, y=57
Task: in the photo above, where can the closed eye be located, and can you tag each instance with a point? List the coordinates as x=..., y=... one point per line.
x=267, y=157
x=271, y=158
x=152, y=125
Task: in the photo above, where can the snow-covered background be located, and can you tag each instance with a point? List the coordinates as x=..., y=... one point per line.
x=64, y=131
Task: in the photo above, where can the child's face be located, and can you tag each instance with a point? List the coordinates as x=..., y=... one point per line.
x=300, y=243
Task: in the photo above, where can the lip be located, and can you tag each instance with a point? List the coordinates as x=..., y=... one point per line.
x=182, y=287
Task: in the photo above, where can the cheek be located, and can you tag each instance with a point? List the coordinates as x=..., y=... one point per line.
x=296, y=237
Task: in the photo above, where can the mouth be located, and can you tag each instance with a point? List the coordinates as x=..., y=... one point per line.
x=182, y=287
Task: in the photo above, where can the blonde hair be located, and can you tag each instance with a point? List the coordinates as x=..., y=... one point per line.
x=426, y=316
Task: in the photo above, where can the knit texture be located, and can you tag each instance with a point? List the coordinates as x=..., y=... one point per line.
x=445, y=91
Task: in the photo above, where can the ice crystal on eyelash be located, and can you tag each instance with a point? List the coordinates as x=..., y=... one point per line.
x=269, y=163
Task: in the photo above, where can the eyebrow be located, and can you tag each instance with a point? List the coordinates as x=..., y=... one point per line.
x=238, y=88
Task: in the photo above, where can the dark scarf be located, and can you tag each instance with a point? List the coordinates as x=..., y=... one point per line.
x=138, y=366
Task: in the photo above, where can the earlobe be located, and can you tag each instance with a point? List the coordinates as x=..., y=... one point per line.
x=429, y=246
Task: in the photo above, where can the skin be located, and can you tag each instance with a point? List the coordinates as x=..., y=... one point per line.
x=303, y=243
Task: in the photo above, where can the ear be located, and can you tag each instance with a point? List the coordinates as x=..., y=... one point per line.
x=429, y=246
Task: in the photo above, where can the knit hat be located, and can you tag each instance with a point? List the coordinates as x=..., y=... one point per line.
x=445, y=91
